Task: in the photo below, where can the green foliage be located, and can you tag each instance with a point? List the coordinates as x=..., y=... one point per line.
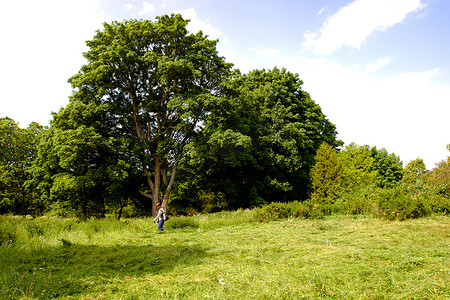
x=395, y=203
x=438, y=204
x=358, y=167
x=359, y=201
x=326, y=175
x=18, y=148
x=295, y=209
x=277, y=210
x=59, y=209
x=213, y=202
x=388, y=166
x=439, y=179
x=260, y=140
x=80, y=166
x=353, y=178
x=398, y=204
x=8, y=233
x=415, y=177
x=419, y=181
x=157, y=82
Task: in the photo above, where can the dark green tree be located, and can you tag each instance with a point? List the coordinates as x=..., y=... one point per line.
x=157, y=80
x=260, y=139
x=389, y=167
x=80, y=164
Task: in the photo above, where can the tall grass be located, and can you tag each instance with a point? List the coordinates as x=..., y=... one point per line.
x=225, y=256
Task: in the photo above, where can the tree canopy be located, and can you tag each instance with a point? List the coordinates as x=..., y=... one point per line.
x=157, y=80
x=18, y=148
x=260, y=139
x=80, y=165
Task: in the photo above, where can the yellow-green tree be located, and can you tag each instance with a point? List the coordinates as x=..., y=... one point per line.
x=439, y=178
x=358, y=162
x=415, y=177
x=326, y=175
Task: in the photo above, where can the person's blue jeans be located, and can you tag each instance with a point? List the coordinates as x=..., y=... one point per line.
x=160, y=225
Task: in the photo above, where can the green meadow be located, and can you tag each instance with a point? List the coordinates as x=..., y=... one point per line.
x=229, y=255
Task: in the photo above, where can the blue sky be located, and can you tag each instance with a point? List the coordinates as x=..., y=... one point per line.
x=380, y=69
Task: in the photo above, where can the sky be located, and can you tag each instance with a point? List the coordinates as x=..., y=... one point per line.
x=379, y=69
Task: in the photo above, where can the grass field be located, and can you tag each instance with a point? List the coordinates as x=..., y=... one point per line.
x=225, y=256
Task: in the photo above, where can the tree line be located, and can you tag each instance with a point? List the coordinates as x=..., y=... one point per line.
x=156, y=115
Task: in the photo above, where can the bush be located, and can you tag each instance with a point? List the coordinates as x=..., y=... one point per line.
x=295, y=209
x=437, y=203
x=360, y=200
x=60, y=209
x=276, y=211
x=398, y=204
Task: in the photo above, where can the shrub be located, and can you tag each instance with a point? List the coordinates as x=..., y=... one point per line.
x=326, y=175
x=276, y=211
x=437, y=203
x=360, y=200
x=398, y=204
x=295, y=209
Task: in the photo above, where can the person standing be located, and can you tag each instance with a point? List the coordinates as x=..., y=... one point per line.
x=160, y=217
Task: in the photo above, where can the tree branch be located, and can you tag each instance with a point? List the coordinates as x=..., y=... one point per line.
x=149, y=179
x=145, y=194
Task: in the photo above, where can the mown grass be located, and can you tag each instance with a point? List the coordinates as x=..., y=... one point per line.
x=225, y=256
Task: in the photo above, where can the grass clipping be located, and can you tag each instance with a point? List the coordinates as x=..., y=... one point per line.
x=225, y=256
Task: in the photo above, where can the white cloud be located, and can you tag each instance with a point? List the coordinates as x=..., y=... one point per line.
x=41, y=49
x=320, y=11
x=196, y=24
x=352, y=24
x=128, y=6
x=380, y=63
x=147, y=8
x=265, y=52
x=405, y=113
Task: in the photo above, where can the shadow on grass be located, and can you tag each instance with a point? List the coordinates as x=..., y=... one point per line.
x=72, y=269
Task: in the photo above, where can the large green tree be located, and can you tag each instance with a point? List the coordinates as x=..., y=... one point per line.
x=157, y=80
x=18, y=148
x=260, y=139
x=80, y=166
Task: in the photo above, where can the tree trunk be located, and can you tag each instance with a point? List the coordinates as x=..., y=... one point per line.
x=166, y=195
